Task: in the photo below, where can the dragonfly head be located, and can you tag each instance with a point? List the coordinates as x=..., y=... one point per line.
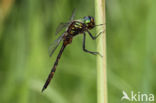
x=89, y=22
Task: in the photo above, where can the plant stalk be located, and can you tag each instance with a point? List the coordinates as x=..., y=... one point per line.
x=101, y=46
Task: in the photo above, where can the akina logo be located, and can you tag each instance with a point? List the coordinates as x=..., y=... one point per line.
x=140, y=97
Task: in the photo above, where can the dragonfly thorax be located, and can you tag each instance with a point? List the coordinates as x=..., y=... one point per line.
x=76, y=27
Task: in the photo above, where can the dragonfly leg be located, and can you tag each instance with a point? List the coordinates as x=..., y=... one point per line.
x=94, y=37
x=84, y=48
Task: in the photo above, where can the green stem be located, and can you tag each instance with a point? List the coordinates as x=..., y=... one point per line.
x=101, y=46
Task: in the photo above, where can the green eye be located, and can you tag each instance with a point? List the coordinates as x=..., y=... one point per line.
x=87, y=21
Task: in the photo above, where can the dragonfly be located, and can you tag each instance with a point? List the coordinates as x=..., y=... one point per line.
x=73, y=28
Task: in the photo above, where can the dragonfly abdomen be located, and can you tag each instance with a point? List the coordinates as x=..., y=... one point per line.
x=53, y=69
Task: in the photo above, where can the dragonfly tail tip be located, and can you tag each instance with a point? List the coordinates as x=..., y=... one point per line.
x=43, y=89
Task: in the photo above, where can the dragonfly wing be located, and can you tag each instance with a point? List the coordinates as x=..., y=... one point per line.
x=60, y=27
x=54, y=45
x=73, y=15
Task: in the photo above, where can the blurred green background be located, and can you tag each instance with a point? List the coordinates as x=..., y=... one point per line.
x=27, y=28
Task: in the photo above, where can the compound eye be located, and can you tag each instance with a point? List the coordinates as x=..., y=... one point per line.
x=87, y=20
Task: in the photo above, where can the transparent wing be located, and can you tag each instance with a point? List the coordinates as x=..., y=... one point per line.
x=73, y=15
x=60, y=27
x=54, y=45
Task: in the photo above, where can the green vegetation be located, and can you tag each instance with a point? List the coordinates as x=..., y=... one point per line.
x=27, y=28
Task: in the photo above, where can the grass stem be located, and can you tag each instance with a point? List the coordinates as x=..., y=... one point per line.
x=101, y=46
